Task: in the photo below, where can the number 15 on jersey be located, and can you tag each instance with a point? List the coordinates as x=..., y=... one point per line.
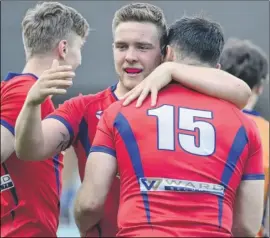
x=187, y=120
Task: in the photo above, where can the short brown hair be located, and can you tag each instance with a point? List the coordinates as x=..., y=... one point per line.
x=142, y=12
x=244, y=60
x=45, y=25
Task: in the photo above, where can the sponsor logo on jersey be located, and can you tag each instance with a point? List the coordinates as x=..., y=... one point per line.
x=6, y=182
x=176, y=185
x=99, y=114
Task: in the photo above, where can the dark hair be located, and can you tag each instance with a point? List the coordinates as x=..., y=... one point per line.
x=197, y=37
x=244, y=60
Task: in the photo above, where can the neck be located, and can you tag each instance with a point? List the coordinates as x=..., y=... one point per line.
x=251, y=102
x=37, y=65
x=120, y=90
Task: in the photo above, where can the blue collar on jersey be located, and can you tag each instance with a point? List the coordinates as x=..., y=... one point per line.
x=251, y=112
x=12, y=75
x=113, y=88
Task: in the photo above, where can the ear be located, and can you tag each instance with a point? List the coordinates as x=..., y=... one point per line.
x=218, y=66
x=258, y=89
x=169, y=55
x=62, y=49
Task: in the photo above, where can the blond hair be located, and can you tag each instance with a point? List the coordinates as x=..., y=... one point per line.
x=45, y=25
x=144, y=13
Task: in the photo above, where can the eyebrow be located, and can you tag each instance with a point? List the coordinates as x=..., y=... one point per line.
x=136, y=43
x=144, y=43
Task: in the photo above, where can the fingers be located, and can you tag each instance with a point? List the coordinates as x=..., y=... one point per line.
x=154, y=94
x=60, y=75
x=127, y=94
x=55, y=64
x=61, y=68
x=141, y=93
x=52, y=91
x=142, y=97
x=58, y=83
x=131, y=96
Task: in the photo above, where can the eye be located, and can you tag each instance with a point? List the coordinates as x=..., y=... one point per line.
x=121, y=47
x=143, y=47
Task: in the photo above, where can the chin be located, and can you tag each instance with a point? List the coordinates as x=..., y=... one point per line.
x=131, y=83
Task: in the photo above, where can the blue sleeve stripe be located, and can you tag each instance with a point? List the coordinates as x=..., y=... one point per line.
x=67, y=125
x=103, y=149
x=8, y=126
x=253, y=177
x=83, y=136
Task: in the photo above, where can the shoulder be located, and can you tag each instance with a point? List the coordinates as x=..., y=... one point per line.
x=79, y=101
x=17, y=83
x=100, y=102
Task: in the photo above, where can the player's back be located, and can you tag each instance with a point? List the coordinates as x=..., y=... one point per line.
x=180, y=164
x=30, y=191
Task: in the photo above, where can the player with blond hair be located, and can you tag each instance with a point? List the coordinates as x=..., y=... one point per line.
x=53, y=35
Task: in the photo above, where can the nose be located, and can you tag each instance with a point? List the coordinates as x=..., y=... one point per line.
x=131, y=55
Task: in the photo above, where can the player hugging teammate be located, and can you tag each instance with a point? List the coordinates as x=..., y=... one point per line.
x=189, y=139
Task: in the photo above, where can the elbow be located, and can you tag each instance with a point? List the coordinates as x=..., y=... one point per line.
x=244, y=93
x=87, y=214
x=28, y=150
x=21, y=156
x=4, y=156
x=250, y=229
x=22, y=152
x=18, y=146
x=90, y=207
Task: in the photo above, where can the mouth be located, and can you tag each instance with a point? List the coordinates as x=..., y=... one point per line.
x=133, y=71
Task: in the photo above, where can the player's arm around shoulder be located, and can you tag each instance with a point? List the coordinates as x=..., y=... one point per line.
x=34, y=139
x=209, y=81
x=249, y=203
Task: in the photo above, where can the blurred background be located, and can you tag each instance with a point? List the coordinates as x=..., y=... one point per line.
x=241, y=19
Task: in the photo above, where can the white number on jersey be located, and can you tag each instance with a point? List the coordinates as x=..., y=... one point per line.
x=187, y=120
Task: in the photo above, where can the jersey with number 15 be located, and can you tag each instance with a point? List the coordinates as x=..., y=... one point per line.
x=180, y=163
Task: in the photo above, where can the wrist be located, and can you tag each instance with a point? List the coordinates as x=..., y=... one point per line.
x=168, y=67
x=31, y=104
x=175, y=70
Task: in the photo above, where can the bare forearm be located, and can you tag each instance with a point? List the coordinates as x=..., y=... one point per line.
x=29, y=141
x=240, y=231
x=86, y=216
x=213, y=82
x=86, y=220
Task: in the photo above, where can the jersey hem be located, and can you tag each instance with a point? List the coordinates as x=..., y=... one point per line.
x=253, y=177
x=103, y=149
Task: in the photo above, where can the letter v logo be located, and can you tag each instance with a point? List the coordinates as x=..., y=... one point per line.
x=148, y=183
